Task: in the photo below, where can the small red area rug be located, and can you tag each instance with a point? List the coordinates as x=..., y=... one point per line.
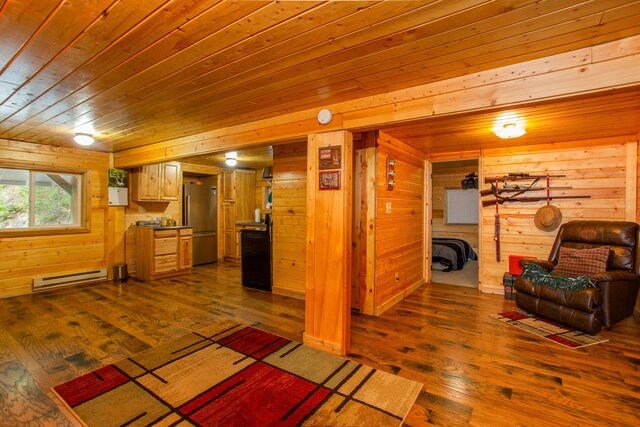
x=230, y=374
x=549, y=329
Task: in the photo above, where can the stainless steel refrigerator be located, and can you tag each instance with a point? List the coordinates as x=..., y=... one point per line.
x=200, y=211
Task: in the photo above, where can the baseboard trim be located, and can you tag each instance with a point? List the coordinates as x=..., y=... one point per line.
x=401, y=296
x=293, y=293
x=320, y=344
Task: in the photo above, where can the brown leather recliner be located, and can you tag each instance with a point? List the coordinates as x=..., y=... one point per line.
x=614, y=296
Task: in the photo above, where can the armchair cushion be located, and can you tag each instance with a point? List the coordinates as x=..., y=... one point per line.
x=539, y=275
x=578, y=262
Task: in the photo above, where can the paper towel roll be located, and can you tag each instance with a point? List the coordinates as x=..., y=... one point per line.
x=258, y=215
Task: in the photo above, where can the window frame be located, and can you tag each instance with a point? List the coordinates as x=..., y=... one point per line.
x=84, y=210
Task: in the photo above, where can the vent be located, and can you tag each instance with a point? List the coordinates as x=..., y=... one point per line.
x=44, y=283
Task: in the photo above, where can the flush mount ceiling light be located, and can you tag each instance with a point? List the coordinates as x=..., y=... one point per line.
x=231, y=158
x=83, y=138
x=509, y=125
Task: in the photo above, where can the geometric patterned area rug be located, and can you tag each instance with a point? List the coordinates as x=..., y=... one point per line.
x=230, y=374
x=549, y=329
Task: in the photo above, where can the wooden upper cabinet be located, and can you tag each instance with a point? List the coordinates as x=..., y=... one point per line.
x=170, y=185
x=147, y=184
x=229, y=193
x=245, y=195
x=156, y=183
x=238, y=205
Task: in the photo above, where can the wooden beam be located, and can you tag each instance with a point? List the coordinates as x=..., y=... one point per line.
x=328, y=260
x=68, y=188
x=610, y=66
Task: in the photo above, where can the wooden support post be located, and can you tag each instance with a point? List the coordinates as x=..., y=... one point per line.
x=115, y=233
x=329, y=229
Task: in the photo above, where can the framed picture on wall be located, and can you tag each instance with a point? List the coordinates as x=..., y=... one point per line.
x=330, y=157
x=330, y=180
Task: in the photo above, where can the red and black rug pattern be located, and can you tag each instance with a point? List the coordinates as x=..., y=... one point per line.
x=230, y=374
x=549, y=329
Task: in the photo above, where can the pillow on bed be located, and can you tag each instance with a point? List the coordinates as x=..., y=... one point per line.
x=578, y=262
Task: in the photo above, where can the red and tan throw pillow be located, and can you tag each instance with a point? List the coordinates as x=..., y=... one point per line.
x=577, y=262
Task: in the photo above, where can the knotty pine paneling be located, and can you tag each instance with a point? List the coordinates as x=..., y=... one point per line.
x=449, y=175
x=289, y=212
x=399, y=238
x=598, y=171
x=23, y=258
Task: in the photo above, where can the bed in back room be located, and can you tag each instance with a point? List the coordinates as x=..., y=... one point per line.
x=451, y=254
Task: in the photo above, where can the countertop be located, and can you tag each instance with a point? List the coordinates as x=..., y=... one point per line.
x=159, y=227
x=251, y=224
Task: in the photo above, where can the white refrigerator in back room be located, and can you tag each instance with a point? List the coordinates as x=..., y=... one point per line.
x=200, y=211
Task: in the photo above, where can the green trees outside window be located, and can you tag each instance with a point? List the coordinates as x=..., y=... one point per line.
x=38, y=199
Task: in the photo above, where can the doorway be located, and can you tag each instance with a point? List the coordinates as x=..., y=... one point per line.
x=455, y=228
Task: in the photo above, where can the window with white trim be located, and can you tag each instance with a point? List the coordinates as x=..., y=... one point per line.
x=37, y=199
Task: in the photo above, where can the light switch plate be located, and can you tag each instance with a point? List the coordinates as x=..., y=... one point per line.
x=388, y=207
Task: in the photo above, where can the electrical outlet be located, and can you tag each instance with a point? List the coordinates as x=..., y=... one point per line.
x=397, y=277
x=388, y=207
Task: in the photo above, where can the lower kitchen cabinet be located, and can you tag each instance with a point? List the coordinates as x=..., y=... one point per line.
x=185, y=251
x=163, y=252
x=230, y=245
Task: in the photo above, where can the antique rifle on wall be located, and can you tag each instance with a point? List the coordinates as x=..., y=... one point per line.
x=502, y=200
x=517, y=189
x=519, y=177
x=496, y=234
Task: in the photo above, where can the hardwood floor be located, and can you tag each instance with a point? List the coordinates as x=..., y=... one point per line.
x=475, y=370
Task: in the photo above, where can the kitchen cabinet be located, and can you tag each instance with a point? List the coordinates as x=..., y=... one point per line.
x=229, y=186
x=163, y=252
x=239, y=203
x=158, y=182
x=230, y=245
x=185, y=249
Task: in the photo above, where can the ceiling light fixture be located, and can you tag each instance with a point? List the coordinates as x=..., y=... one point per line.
x=231, y=158
x=83, y=138
x=509, y=125
x=509, y=130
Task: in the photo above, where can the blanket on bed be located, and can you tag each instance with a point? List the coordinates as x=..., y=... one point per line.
x=452, y=253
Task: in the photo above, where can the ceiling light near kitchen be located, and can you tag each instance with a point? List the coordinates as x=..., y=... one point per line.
x=231, y=158
x=83, y=138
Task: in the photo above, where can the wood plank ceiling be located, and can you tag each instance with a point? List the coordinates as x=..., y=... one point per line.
x=137, y=72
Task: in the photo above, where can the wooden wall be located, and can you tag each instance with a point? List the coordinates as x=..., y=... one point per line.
x=22, y=258
x=596, y=170
x=289, y=212
x=637, y=310
x=448, y=175
x=399, y=240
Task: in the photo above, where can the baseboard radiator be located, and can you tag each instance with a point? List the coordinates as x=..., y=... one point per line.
x=67, y=279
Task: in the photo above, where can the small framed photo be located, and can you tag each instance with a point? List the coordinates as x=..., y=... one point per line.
x=330, y=180
x=330, y=157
